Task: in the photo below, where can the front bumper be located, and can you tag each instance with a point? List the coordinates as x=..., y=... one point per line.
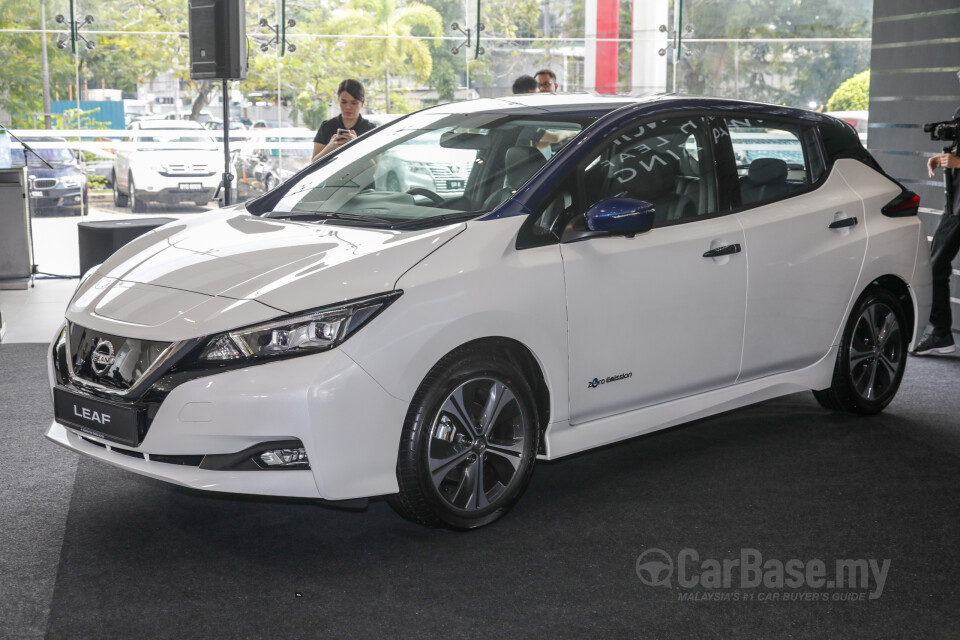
x=176, y=195
x=174, y=189
x=349, y=426
x=52, y=201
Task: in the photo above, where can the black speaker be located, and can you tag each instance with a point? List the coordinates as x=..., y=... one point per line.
x=218, y=40
x=99, y=240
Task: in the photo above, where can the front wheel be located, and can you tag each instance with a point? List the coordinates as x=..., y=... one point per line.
x=119, y=199
x=872, y=356
x=137, y=204
x=469, y=443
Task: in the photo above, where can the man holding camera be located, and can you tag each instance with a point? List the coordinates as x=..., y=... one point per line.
x=946, y=244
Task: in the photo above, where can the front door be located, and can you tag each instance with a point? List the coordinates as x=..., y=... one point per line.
x=652, y=318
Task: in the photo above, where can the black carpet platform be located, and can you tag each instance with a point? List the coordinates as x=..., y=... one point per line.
x=143, y=559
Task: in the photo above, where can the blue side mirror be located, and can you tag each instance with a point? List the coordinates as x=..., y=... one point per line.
x=621, y=216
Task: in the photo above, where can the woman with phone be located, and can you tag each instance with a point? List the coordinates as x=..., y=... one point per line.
x=343, y=128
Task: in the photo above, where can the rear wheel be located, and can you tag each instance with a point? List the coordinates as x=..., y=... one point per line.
x=469, y=443
x=119, y=199
x=872, y=356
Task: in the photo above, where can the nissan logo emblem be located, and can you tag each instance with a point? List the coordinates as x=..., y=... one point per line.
x=102, y=357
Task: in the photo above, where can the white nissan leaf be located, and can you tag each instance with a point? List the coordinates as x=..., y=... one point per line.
x=609, y=267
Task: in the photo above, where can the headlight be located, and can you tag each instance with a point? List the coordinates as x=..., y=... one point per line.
x=87, y=275
x=299, y=334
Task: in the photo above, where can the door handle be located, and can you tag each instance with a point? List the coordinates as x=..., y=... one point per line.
x=843, y=222
x=722, y=251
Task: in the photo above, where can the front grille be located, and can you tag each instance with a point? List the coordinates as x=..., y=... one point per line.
x=110, y=360
x=44, y=183
x=186, y=461
x=184, y=170
x=442, y=172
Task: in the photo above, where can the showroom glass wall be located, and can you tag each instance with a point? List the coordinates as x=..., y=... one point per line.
x=781, y=51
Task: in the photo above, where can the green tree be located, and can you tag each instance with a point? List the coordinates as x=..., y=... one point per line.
x=793, y=70
x=852, y=95
x=385, y=18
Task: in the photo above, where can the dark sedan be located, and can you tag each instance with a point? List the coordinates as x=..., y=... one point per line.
x=57, y=189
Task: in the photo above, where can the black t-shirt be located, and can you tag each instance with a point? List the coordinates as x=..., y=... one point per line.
x=328, y=128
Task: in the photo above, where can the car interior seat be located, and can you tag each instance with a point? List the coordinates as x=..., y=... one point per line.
x=656, y=181
x=766, y=178
x=521, y=163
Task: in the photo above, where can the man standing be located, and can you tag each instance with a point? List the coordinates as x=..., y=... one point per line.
x=524, y=84
x=946, y=244
x=546, y=81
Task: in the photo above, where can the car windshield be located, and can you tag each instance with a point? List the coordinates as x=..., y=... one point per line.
x=19, y=158
x=428, y=169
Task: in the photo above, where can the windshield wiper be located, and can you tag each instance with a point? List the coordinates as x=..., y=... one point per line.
x=459, y=216
x=329, y=215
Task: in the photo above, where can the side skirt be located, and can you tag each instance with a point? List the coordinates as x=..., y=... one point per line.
x=563, y=439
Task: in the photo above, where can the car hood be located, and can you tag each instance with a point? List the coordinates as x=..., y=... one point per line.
x=229, y=268
x=58, y=170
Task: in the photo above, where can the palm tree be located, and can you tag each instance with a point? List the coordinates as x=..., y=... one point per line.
x=394, y=48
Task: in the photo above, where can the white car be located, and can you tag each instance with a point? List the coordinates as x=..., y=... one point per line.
x=335, y=339
x=168, y=161
x=414, y=163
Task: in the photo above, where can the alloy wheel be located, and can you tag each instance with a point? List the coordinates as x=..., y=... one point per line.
x=477, y=444
x=876, y=353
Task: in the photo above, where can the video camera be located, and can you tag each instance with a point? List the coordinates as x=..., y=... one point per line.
x=946, y=130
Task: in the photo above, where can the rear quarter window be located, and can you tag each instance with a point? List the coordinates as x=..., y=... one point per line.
x=774, y=159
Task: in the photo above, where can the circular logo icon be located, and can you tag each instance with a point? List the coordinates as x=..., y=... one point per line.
x=655, y=568
x=102, y=357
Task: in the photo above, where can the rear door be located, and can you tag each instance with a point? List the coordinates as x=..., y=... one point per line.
x=805, y=243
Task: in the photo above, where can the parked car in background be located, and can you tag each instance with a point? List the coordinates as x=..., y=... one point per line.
x=415, y=164
x=340, y=338
x=238, y=130
x=269, y=157
x=58, y=189
x=168, y=161
x=859, y=120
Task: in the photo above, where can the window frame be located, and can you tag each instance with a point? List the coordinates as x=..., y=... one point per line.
x=810, y=143
x=527, y=239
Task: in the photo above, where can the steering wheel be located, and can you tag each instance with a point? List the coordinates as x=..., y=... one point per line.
x=436, y=198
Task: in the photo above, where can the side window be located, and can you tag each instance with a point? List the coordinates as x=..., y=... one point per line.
x=667, y=163
x=774, y=159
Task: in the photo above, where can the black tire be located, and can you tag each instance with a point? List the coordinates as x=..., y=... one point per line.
x=501, y=456
x=119, y=199
x=872, y=356
x=137, y=204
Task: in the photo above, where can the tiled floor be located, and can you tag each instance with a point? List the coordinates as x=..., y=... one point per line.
x=34, y=314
